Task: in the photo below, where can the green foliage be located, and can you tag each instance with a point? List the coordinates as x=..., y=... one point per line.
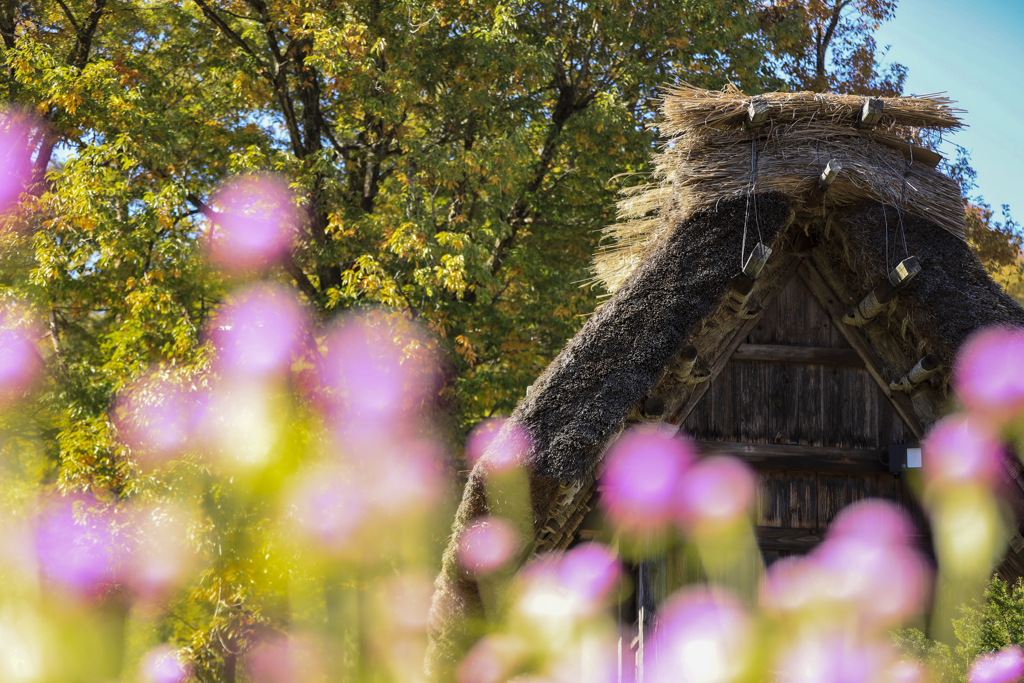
x=982, y=628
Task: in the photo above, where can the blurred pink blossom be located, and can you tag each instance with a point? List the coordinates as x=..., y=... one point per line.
x=714, y=492
x=401, y=478
x=640, y=479
x=989, y=373
x=160, y=665
x=875, y=519
x=491, y=660
x=1003, y=666
x=254, y=224
x=329, y=508
x=906, y=671
x=824, y=657
x=504, y=444
x=702, y=637
x=960, y=450
x=408, y=600
x=285, y=659
x=15, y=159
x=789, y=585
x=376, y=384
x=259, y=332
x=77, y=547
x=590, y=570
x=158, y=419
x=19, y=364
x=487, y=544
x=159, y=553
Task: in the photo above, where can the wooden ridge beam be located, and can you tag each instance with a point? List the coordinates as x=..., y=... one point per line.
x=812, y=355
x=798, y=457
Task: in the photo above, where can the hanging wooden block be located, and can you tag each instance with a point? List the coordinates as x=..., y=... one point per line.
x=873, y=303
x=871, y=113
x=755, y=262
x=828, y=176
x=757, y=113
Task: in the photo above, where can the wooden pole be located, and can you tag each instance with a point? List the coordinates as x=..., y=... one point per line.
x=925, y=368
x=757, y=113
x=871, y=113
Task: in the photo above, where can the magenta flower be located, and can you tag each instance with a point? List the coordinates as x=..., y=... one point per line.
x=960, y=450
x=159, y=420
x=160, y=665
x=879, y=520
x=591, y=571
x=640, y=479
x=292, y=659
x=715, y=492
x=19, y=364
x=832, y=658
x=402, y=478
x=258, y=334
x=377, y=376
x=989, y=373
x=15, y=159
x=1003, y=666
x=328, y=508
x=76, y=546
x=502, y=443
x=701, y=637
x=487, y=544
x=491, y=660
x=254, y=224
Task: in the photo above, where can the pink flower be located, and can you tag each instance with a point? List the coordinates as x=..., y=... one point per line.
x=292, y=659
x=329, y=508
x=487, y=544
x=255, y=222
x=19, y=364
x=641, y=477
x=1003, y=666
x=161, y=666
x=907, y=671
x=77, y=547
x=715, y=492
x=959, y=450
x=159, y=420
x=989, y=373
x=878, y=520
x=502, y=443
x=823, y=657
x=590, y=570
x=491, y=660
x=257, y=335
x=701, y=637
x=15, y=159
x=159, y=556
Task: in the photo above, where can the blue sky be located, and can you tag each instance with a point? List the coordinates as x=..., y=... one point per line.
x=974, y=50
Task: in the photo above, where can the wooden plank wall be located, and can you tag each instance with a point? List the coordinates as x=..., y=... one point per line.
x=808, y=404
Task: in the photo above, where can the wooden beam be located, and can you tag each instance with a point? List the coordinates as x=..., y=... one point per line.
x=680, y=415
x=871, y=112
x=832, y=305
x=813, y=355
x=871, y=305
x=911, y=152
x=787, y=539
x=789, y=456
x=805, y=540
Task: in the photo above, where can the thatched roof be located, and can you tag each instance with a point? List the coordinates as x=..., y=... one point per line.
x=679, y=248
x=711, y=155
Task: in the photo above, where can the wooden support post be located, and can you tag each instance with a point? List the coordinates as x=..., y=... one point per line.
x=757, y=113
x=871, y=113
x=873, y=303
x=925, y=368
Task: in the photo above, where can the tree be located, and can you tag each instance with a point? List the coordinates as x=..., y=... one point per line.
x=829, y=45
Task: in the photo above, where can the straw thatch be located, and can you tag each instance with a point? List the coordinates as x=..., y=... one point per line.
x=711, y=156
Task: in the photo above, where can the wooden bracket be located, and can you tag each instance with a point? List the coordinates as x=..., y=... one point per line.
x=872, y=304
x=871, y=113
x=825, y=180
x=925, y=368
x=757, y=113
x=684, y=363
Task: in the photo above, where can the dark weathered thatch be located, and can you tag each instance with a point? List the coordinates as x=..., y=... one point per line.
x=580, y=403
